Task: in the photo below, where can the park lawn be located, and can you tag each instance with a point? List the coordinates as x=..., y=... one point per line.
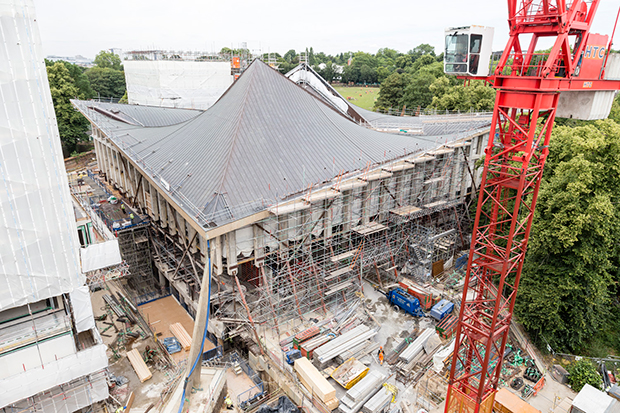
x=367, y=98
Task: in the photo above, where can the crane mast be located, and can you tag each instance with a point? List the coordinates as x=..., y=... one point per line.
x=528, y=92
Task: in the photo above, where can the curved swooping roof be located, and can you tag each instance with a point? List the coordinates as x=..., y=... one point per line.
x=265, y=140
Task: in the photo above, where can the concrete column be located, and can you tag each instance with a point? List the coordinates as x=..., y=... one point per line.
x=163, y=211
x=259, y=245
x=327, y=221
x=347, y=209
x=172, y=228
x=365, y=204
x=231, y=256
x=218, y=254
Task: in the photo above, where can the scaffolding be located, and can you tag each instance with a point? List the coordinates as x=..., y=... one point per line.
x=310, y=256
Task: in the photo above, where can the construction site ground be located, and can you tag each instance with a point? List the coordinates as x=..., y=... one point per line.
x=395, y=325
x=163, y=312
x=164, y=374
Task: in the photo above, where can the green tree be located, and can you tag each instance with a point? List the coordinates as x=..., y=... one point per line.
x=108, y=60
x=79, y=78
x=72, y=126
x=583, y=372
x=290, y=56
x=421, y=50
x=570, y=274
x=107, y=82
x=477, y=96
x=391, y=92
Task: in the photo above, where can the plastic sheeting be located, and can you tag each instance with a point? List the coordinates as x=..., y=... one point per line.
x=102, y=255
x=176, y=84
x=63, y=370
x=39, y=247
x=69, y=398
x=82, y=309
x=285, y=405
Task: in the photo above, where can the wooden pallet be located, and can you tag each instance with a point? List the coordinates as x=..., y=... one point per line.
x=140, y=367
x=181, y=334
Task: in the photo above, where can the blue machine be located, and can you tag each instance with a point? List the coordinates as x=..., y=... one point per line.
x=442, y=309
x=292, y=355
x=407, y=302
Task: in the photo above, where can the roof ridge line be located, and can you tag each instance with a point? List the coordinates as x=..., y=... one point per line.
x=236, y=131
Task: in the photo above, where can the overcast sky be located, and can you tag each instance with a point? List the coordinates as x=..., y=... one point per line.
x=84, y=27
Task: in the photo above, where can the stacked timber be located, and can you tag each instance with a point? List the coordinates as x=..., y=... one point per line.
x=181, y=334
x=308, y=346
x=359, y=351
x=347, y=341
x=416, y=347
x=421, y=293
x=140, y=367
x=314, y=381
x=361, y=392
x=305, y=335
x=379, y=402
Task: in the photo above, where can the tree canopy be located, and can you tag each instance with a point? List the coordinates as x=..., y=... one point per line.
x=72, y=126
x=568, y=290
x=108, y=60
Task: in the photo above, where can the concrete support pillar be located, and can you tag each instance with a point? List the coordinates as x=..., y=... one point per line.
x=163, y=211
x=172, y=228
x=327, y=221
x=347, y=210
x=365, y=204
x=259, y=246
x=231, y=254
x=219, y=245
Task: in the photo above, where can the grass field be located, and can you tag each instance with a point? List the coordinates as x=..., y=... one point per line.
x=361, y=96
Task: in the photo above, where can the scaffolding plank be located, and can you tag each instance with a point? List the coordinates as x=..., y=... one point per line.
x=405, y=210
x=140, y=367
x=369, y=228
x=435, y=204
x=337, y=273
x=350, y=185
x=377, y=174
x=343, y=256
x=321, y=195
x=337, y=288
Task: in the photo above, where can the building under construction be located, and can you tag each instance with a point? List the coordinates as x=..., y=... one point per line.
x=294, y=200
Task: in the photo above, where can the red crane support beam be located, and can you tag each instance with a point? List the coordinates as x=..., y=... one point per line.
x=529, y=87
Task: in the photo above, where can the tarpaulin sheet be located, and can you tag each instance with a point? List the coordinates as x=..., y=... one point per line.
x=102, y=255
x=176, y=84
x=39, y=247
x=82, y=309
x=284, y=406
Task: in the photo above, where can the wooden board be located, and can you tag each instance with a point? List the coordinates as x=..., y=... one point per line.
x=140, y=367
x=314, y=380
x=181, y=334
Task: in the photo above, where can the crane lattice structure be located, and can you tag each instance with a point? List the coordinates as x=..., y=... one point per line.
x=528, y=90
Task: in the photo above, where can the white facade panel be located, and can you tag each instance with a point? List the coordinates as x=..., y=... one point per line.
x=63, y=370
x=176, y=84
x=39, y=247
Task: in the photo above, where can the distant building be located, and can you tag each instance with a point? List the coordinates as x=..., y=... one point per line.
x=76, y=60
x=176, y=83
x=592, y=400
x=52, y=358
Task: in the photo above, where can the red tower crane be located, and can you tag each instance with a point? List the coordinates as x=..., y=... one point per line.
x=532, y=88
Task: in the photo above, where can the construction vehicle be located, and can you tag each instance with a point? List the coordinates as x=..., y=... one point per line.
x=442, y=309
x=292, y=355
x=401, y=299
x=577, y=78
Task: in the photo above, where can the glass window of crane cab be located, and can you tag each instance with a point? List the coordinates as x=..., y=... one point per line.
x=475, y=43
x=456, y=53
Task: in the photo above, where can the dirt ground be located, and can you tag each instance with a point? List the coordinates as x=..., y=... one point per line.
x=159, y=314
x=238, y=384
x=145, y=393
